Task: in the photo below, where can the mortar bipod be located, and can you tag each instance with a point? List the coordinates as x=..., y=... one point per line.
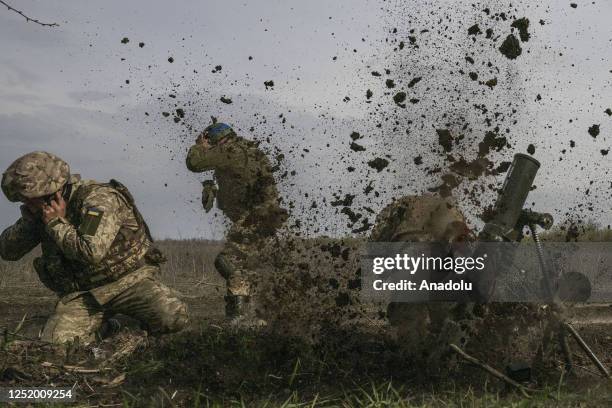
x=556, y=323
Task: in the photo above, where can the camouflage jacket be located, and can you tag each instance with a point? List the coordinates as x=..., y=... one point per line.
x=243, y=174
x=101, y=239
x=422, y=218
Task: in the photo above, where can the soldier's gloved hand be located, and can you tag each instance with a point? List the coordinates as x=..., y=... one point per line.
x=209, y=193
x=203, y=141
x=56, y=209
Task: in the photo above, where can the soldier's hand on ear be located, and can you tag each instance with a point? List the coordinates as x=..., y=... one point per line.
x=56, y=209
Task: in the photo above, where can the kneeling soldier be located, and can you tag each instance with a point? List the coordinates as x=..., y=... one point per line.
x=97, y=252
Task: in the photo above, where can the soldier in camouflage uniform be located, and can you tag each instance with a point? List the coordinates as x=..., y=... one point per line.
x=425, y=218
x=97, y=252
x=248, y=196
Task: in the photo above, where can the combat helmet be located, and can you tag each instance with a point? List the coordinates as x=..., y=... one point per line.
x=37, y=174
x=217, y=131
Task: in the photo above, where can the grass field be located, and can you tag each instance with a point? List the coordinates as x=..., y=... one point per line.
x=211, y=364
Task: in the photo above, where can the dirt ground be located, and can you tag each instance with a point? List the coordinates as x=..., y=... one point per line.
x=212, y=364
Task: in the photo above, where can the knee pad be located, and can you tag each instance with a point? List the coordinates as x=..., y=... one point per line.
x=175, y=318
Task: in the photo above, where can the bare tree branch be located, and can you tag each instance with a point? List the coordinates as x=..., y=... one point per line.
x=28, y=19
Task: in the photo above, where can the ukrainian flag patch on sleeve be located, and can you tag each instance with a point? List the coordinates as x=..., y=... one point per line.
x=91, y=221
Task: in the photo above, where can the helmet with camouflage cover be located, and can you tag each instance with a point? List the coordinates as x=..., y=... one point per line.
x=37, y=174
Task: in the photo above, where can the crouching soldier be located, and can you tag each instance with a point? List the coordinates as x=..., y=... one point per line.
x=422, y=218
x=246, y=192
x=97, y=252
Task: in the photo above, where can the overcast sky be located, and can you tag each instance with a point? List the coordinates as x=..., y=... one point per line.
x=65, y=90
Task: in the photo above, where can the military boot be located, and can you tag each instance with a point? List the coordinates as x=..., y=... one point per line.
x=109, y=328
x=240, y=312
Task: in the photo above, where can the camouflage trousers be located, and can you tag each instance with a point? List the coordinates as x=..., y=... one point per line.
x=156, y=306
x=241, y=254
x=232, y=265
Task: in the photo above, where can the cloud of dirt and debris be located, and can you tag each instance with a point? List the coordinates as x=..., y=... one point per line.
x=442, y=98
x=456, y=90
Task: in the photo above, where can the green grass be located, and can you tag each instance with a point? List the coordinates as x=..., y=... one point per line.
x=220, y=368
x=386, y=395
x=588, y=232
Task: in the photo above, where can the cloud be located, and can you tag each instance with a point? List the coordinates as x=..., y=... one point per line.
x=18, y=75
x=92, y=96
x=19, y=33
